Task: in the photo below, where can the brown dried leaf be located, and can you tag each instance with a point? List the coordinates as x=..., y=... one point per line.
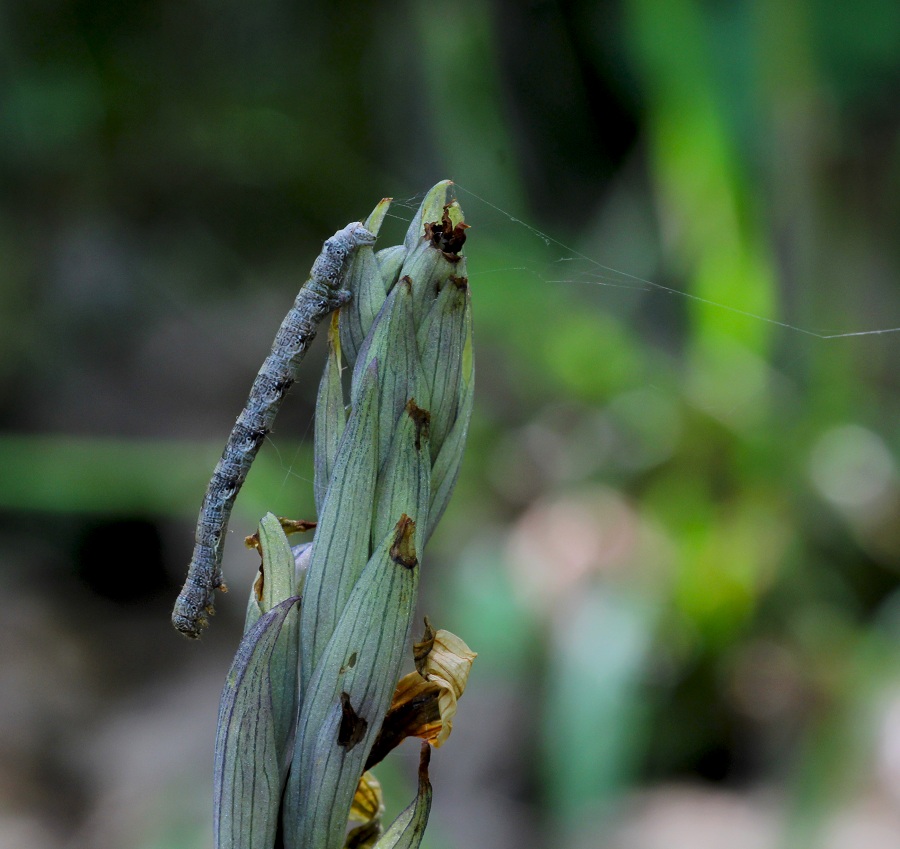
x=447, y=665
x=424, y=703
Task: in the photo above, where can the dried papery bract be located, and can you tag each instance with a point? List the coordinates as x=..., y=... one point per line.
x=425, y=701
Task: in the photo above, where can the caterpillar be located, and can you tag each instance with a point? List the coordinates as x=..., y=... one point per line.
x=320, y=295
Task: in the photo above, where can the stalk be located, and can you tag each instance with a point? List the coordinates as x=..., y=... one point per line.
x=304, y=711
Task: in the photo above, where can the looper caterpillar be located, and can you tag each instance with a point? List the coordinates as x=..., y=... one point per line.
x=321, y=294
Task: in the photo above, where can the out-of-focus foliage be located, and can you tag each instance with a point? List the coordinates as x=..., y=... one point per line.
x=675, y=542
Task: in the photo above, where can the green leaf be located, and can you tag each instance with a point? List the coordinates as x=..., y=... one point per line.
x=390, y=261
x=428, y=268
x=364, y=281
x=441, y=338
x=446, y=467
x=341, y=545
x=276, y=577
x=255, y=732
x=392, y=343
x=407, y=830
x=376, y=216
x=331, y=418
x=353, y=683
x=404, y=483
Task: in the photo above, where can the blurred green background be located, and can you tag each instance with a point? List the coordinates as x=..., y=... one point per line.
x=676, y=539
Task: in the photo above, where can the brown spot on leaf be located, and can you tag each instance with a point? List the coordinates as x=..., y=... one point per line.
x=445, y=237
x=403, y=551
x=422, y=420
x=353, y=726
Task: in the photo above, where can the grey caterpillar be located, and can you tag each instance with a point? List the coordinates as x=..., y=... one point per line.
x=320, y=295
